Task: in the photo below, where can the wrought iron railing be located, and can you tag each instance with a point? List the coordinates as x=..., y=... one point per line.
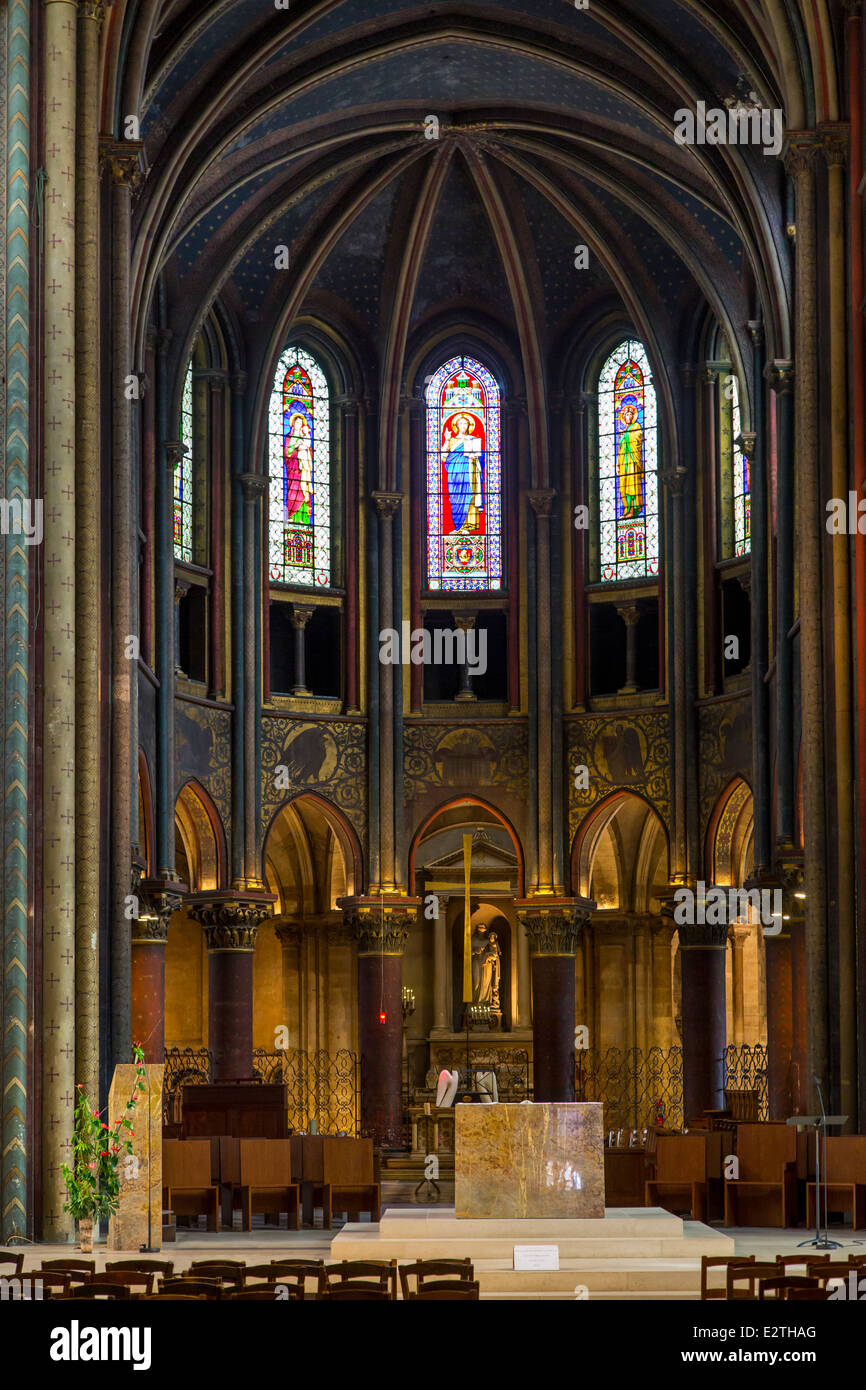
x=637, y=1088
x=187, y=1066
x=322, y=1088
x=509, y=1064
x=746, y=1070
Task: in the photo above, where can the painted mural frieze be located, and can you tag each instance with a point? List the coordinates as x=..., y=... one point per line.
x=725, y=751
x=203, y=750
x=329, y=758
x=620, y=752
x=440, y=755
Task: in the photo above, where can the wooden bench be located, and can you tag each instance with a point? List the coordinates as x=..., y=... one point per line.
x=186, y=1175
x=765, y=1193
x=336, y=1174
x=266, y=1182
x=846, y=1179
x=680, y=1182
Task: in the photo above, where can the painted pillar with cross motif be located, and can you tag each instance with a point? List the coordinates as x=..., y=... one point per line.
x=58, y=650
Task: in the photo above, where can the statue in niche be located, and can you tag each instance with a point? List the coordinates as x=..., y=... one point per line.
x=486, y=968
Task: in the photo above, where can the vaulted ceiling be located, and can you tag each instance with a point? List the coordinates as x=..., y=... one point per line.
x=309, y=127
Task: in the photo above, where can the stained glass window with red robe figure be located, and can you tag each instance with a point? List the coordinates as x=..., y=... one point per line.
x=627, y=466
x=464, y=479
x=299, y=510
x=183, y=474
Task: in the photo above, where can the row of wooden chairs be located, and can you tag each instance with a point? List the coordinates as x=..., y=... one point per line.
x=74, y=1278
x=748, y=1278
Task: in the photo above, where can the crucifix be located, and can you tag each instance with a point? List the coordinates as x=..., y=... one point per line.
x=467, y=911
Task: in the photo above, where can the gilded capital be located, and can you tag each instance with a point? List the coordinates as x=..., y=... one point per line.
x=553, y=931
x=378, y=932
x=231, y=921
x=387, y=504
x=122, y=158
x=92, y=9
x=801, y=152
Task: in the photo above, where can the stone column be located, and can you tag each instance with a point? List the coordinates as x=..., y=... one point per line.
x=704, y=1015
x=57, y=610
x=158, y=902
x=381, y=933
x=289, y=934
x=300, y=617
x=254, y=488
x=738, y=937
x=123, y=161
x=712, y=645
x=465, y=622
x=800, y=160
x=542, y=504
x=553, y=931
x=216, y=426
x=780, y=1024
x=181, y=589
x=387, y=505
x=780, y=375
x=631, y=617
x=231, y=923
x=674, y=483
x=88, y=803
x=441, y=1011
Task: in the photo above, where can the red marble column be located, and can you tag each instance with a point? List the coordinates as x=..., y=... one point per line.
x=553, y=932
x=157, y=904
x=381, y=932
x=230, y=925
x=780, y=1026
x=704, y=1018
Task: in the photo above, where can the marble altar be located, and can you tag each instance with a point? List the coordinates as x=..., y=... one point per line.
x=529, y=1161
x=128, y=1229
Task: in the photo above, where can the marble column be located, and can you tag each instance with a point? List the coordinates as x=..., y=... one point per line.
x=57, y=610
x=542, y=504
x=631, y=617
x=158, y=903
x=231, y=923
x=703, y=959
x=800, y=161
x=780, y=1024
x=387, y=505
x=465, y=622
x=554, y=932
x=88, y=803
x=300, y=617
x=381, y=932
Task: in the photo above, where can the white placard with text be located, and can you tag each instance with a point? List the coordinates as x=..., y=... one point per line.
x=536, y=1257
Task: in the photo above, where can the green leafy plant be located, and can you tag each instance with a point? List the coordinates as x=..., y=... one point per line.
x=93, y=1180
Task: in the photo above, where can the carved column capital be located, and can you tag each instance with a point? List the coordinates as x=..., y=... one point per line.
x=175, y=452
x=91, y=9
x=379, y=929
x=554, y=929
x=755, y=329
x=387, y=504
x=781, y=375
x=300, y=615
x=674, y=479
x=835, y=140
x=160, y=900
x=122, y=160
x=231, y=920
x=541, y=500
x=629, y=614
x=254, y=485
x=800, y=155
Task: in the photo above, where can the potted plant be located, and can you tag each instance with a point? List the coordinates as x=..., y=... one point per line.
x=93, y=1180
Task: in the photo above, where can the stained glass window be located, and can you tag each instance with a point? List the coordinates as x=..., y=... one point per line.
x=742, y=478
x=300, y=473
x=627, y=466
x=183, y=473
x=464, y=479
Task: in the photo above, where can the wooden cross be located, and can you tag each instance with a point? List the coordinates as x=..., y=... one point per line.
x=467, y=911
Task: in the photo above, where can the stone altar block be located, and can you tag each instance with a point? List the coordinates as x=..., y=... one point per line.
x=524, y=1161
x=128, y=1229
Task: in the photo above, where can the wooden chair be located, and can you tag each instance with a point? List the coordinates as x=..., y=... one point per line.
x=266, y=1182
x=226, y=1274
x=97, y=1288
x=142, y=1266
x=289, y=1293
x=71, y=1266
x=187, y=1186
x=295, y=1273
x=423, y=1271
x=708, y=1262
x=352, y=1290
x=11, y=1262
x=765, y=1193
x=360, y=1273
x=202, y=1288
x=780, y=1287
x=138, y=1281
x=835, y=1270
x=680, y=1182
x=453, y=1289
x=846, y=1180
x=748, y=1273
x=348, y=1178
x=816, y=1295
x=54, y=1281
x=176, y=1297
x=789, y=1263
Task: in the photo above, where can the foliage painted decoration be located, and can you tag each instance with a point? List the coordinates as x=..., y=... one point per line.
x=300, y=473
x=628, y=466
x=183, y=472
x=464, y=479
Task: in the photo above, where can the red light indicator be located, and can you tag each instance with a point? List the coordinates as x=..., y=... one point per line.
x=383, y=1017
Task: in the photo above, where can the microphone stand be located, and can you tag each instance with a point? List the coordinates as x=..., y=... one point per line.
x=822, y=1241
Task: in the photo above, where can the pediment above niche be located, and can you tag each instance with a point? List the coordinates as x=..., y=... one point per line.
x=488, y=859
